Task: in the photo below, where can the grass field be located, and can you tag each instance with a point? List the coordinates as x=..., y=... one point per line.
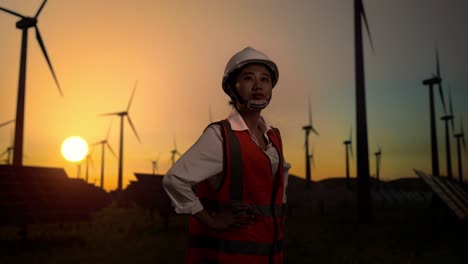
x=128, y=235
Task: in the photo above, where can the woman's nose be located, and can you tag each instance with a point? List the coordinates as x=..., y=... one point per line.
x=257, y=85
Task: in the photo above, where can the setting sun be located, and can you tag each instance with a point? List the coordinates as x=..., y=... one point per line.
x=74, y=148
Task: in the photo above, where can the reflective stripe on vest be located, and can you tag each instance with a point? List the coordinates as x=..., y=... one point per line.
x=258, y=209
x=236, y=185
x=234, y=247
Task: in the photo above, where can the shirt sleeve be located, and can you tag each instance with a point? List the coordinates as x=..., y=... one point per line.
x=202, y=161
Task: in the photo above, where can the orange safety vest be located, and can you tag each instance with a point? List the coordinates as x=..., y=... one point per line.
x=247, y=181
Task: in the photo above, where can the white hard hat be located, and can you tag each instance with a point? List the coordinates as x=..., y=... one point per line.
x=247, y=56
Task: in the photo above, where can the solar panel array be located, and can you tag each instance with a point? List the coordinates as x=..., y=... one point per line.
x=39, y=195
x=148, y=192
x=449, y=192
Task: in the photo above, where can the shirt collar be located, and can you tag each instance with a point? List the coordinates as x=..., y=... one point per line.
x=238, y=124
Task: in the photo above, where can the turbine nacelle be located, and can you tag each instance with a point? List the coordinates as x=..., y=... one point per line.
x=26, y=22
x=432, y=81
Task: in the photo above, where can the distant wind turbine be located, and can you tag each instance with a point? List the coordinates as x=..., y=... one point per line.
x=378, y=156
x=7, y=152
x=348, y=149
x=174, y=152
x=24, y=24
x=154, y=163
x=89, y=160
x=307, y=129
x=104, y=143
x=9, y=149
x=122, y=115
x=446, y=118
x=460, y=137
x=363, y=190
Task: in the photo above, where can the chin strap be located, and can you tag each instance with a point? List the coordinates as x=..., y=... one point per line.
x=252, y=104
x=258, y=104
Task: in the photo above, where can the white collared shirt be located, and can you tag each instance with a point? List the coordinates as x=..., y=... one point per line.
x=204, y=161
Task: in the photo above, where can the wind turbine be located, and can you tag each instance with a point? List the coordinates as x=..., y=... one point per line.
x=435, y=80
x=307, y=129
x=24, y=24
x=155, y=165
x=448, y=152
x=460, y=137
x=363, y=190
x=174, y=152
x=8, y=152
x=122, y=115
x=348, y=148
x=89, y=160
x=103, y=144
x=9, y=149
x=378, y=156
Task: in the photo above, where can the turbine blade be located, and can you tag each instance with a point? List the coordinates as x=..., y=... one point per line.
x=12, y=12
x=312, y=160
x=310, y=113
x=441, y=92
x=440, y=84
x=437, y=61
x=133, y=128
x=4, y=152
x=351, y=150
x=7, y=122
x=315, y=131
x=451, y=109
x=363, y=13
x=44, y=51
x=131, y=98
x=40, y=9
x=463, y=135
x=110, y=148
x=107, y=114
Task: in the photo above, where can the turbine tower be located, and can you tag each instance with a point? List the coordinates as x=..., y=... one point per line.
x=363, y=190
x=378, y=156
x=154, y=163
x=446, y=118
x=104, y=143
x=308, y=128
x=348, y=149
x=24, y=24
x=122, y=115
x=460, y=137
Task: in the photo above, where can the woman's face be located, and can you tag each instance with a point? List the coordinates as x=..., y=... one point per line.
x=254, y=83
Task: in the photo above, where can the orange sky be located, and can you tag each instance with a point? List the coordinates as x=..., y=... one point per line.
x=177, y=51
